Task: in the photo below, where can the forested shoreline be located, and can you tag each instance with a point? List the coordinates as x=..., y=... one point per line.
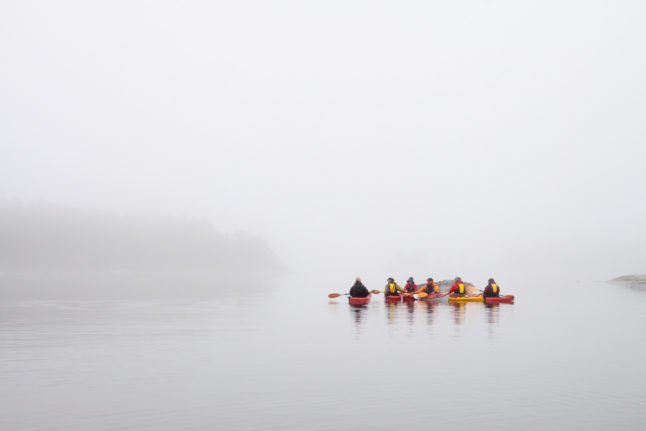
x=46, y=237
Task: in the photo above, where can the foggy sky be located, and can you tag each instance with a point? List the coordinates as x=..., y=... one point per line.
x=397, y=135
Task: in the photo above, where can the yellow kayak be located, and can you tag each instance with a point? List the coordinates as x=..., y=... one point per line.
x=465, y=298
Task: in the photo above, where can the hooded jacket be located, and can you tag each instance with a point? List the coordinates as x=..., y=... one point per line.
x=358, y=290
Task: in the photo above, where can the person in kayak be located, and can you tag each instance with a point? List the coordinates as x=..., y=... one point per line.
x=458, y=288
x=492, y=290
x=429, y=287
x=358, y=290
x=410, y=286
x=392, y=288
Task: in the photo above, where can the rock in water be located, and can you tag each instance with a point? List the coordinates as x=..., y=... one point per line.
x=633, y=281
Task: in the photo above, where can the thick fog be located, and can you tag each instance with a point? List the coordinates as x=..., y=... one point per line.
x=376, y=137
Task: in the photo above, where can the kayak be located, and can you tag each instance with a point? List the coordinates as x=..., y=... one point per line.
x=408, y=297
x=433, y=296
x=465, y=298
x=506, y=299
x=359, y=301
x=393, y=298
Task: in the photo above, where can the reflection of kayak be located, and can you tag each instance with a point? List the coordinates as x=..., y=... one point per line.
x=506, y=299
x=465, y=298
x=359, y=301
x=393, y=298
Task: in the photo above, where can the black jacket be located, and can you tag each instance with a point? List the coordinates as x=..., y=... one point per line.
x=359, y=290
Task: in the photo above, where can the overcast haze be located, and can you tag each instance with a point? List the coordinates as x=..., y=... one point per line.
x=454, y=137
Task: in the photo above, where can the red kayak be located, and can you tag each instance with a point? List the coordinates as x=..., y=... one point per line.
x=359, y=301
x=393, y=298
x=506, y=299
x=408, y=297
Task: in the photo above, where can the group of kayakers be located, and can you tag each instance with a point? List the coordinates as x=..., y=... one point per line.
x=491, y=290
x=358, y=290
x=392, y=288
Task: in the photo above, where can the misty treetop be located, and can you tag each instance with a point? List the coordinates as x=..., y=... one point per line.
x=50, y=237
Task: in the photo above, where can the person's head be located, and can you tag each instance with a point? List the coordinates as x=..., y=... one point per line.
x=358, y=280
x=491, y=280
x=391, y=280
x=458, y=279
x=410, y=280
x=430, y=280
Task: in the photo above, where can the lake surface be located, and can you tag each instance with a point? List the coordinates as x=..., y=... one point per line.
x=290, y=359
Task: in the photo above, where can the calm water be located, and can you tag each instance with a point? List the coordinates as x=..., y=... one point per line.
x=290, y=359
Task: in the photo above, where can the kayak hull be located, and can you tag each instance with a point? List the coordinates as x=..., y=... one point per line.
x=507, y=299
x=359, y=301
x=459, y=299
x=393, y=298
x=433, y=296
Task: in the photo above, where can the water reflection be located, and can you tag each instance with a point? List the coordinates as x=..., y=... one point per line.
x=391, y=311
x=459, y=311
x=357, y=313
x=492, y=311
x=410, y=307
x=430, y=307
x=418, y=312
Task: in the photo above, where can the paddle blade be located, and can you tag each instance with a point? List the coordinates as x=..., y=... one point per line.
x=334, y=295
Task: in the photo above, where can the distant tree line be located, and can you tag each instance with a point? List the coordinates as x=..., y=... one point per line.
x=51, y=237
